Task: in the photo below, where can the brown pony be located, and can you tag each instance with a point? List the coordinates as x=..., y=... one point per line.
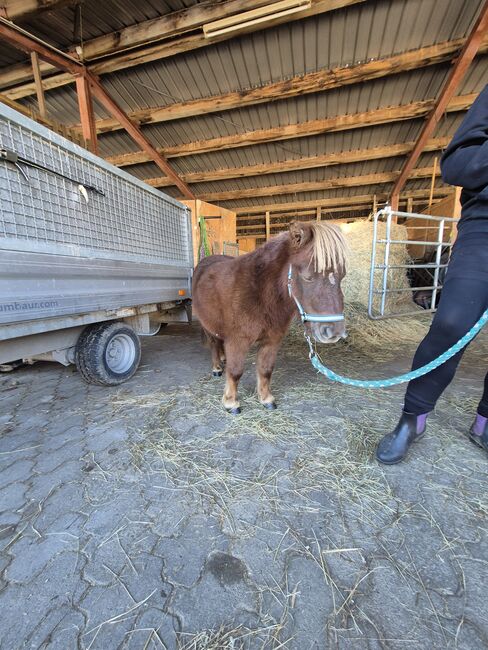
x=252, y=299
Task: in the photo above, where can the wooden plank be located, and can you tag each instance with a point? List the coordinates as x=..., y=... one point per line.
x=41, y=101
x=268, y=229
x=325, y=160
x=22, y=41
x=456, y=75
x=304, y=129
x=334, y=202
x=118, y=48
x=313, y=82
x=313, y=186
x=87, y=115
x=20, y=9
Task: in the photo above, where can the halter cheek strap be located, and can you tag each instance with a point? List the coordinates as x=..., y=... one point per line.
x=311, y=318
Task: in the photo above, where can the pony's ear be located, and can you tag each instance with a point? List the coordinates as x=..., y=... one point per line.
x=300, y=234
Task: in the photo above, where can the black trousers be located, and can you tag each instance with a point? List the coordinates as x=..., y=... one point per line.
x=462, y=302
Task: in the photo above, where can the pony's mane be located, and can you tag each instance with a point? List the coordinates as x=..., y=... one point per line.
x=329, y=248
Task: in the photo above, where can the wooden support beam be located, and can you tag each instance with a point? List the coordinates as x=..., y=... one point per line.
x=313, y=186
x=312, y=82
x=325, y=160
x=304, y=129
x=432, y=183
x=163, y=37
x=267, y=223
x=365, y=199
x=16, y=10
x=456, y=75
x=23, y=41
x=50, y=123
x=319, y=213
x=41, y=101
x=87, y=115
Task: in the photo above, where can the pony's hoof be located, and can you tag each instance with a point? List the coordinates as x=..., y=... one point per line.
x=270, y=406
x=234, y=411
x=217, y=373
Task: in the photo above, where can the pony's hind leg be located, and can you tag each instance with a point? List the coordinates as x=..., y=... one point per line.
x=217, y=351
x=264, y=369
x=235, y=356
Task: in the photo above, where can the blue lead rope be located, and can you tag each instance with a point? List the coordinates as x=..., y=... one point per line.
x=399, y=379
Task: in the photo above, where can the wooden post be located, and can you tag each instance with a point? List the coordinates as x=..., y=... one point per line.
x=432, y=183
x=409, y=204
x=319, y=213
x=87, y=115
x=375, y=204
x=268, y=226
x=41, y=101
x=454, y=78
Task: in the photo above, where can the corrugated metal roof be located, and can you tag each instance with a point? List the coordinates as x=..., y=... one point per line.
x=340, y=38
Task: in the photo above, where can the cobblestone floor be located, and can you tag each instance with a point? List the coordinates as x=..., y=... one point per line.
x=146, y=517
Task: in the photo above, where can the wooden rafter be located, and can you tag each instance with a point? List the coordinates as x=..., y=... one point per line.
x=312, y=186
x=23, y=41
x=364, y=199
x=295, y=164
x=457, y=73
x=312, y=82
x=163, y=37
x=20, y=9
x=304, y=129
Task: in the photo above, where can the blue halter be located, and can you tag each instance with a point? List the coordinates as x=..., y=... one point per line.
x=310, y=318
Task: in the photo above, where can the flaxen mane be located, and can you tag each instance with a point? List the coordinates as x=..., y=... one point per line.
x=330, y=249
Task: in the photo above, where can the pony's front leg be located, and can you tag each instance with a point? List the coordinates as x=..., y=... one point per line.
x=235, y=356
x=264, y=369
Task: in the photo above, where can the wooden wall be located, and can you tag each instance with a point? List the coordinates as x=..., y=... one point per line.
x=247, y=244
x=419, y=230
x=220, y=229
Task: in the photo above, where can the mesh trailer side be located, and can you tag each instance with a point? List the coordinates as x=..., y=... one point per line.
x=44, y=212
x=102, y=240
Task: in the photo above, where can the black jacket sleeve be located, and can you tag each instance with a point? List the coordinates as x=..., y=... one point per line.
x=465, y=161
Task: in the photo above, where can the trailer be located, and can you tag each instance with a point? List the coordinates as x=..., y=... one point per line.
x=91, y=258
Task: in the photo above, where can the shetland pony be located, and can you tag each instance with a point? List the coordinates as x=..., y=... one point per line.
x=252, y=299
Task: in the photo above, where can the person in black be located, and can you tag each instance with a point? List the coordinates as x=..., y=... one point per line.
x=465, y=293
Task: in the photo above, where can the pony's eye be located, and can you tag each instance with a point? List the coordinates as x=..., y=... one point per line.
x=307, y=278
x=332, y=279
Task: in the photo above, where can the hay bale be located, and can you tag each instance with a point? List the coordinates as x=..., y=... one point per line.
x=365, y=333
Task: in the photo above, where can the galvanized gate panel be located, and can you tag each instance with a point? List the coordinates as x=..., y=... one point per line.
x=380, y=288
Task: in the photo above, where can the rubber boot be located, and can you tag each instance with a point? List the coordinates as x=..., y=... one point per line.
x=479, y=432
x=393, y=447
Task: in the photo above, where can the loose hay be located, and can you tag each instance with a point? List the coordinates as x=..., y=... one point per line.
x=366, y=335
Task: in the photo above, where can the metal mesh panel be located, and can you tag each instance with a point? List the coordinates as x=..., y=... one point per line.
x=128, y=222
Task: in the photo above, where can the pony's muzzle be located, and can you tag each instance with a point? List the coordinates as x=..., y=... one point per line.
x=329, y=332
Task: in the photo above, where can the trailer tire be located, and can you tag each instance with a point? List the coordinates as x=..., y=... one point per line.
x=107, y=353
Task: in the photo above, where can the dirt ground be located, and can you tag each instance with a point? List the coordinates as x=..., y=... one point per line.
x=144, y=516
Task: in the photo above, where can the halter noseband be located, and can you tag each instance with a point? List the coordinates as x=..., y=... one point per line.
x=311, y=318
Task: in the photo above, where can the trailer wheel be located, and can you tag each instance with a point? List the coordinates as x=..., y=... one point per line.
x=107, y=353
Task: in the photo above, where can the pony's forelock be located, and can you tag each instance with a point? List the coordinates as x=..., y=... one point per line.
x=329, y=248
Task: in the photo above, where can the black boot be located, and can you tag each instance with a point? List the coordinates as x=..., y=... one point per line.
x=479, y=432
x=393, y=447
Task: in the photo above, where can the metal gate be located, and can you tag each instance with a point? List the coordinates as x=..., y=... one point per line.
x=230, y=248
x=432, y=234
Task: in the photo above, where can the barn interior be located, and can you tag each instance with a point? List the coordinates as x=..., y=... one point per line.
x=144, y=516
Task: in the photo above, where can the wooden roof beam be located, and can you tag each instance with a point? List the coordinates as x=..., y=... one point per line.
x=336, y=202
x=162, y=37
x=313, y=186
x=16, y=10
x=298, y=164
x=313, y=82
x=24, y=41
x=456, y=75
x=304, y=129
